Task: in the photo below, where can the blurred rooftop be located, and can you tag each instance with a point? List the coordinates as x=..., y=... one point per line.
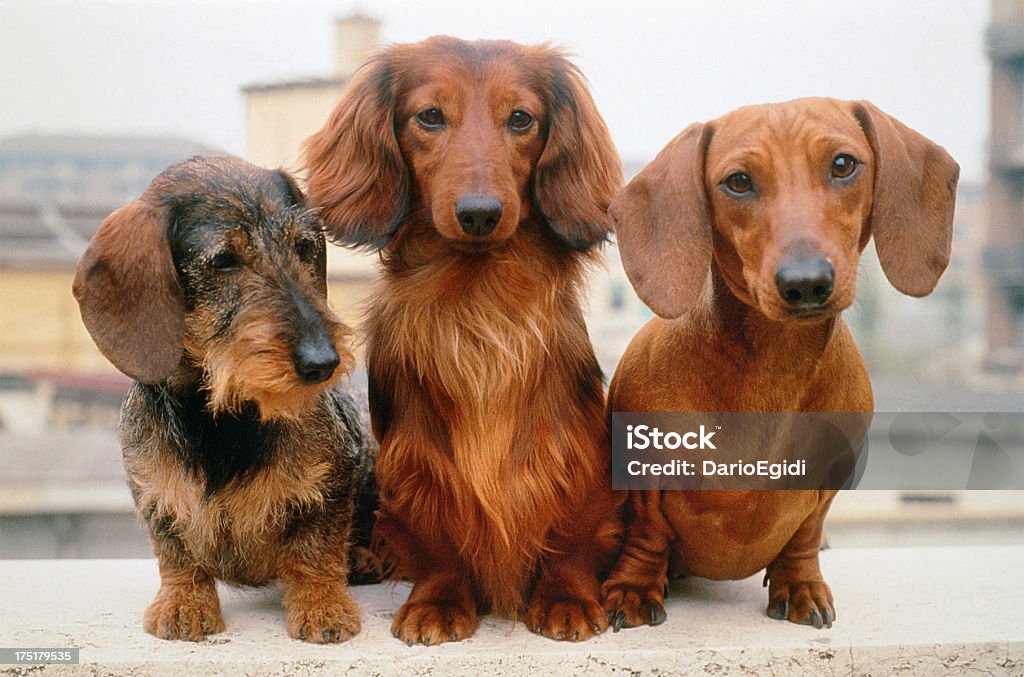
x=55, y=190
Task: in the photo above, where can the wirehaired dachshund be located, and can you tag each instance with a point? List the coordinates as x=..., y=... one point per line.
x=481, y=172
x=744, y=236
x=243, y=457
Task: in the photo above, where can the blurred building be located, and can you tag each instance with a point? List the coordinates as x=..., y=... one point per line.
x=281, y=115
x=1004, y=252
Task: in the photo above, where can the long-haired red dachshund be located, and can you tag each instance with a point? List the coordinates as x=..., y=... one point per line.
x=482, y=172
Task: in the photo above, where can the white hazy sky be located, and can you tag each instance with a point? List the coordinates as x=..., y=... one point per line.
x=176, y=67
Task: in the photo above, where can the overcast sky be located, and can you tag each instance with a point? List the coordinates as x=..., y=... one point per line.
x=176, y=67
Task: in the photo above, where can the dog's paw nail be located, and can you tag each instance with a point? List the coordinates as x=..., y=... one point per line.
x=779, y=610
x=828, y=618
x=815, y=619
x=656, y=613
x=608, y=617
x=453, y=637
x=620, y=618
x=576, y=636
x=597, y=628
x=408, y=642
x=537, y=629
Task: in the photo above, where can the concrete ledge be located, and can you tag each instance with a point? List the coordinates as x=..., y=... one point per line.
x=911, y=610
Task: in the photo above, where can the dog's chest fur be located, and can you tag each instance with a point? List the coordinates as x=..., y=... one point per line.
x=500, y=365
x=227, y=491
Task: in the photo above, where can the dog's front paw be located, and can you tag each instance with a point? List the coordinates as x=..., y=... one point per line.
x=566, y=618
x=803, y=602
x=323, y=616
x=630, y=605
x=188, y=612
x=433, y=623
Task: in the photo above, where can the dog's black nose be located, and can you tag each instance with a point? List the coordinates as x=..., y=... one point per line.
x=478, y=213
x=315, y=360
x=805, y=281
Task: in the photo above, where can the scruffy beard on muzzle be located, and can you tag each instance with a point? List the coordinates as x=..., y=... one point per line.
x=256, y=366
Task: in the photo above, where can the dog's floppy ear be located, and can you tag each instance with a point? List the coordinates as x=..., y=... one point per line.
x=355, y=172
x=129, y=295
x=663, y=226
x=914, y=195
x=578, y=171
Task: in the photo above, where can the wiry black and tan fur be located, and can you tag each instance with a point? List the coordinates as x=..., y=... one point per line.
x=243, y=457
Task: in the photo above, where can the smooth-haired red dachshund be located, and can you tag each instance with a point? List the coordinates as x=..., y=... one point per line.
x=744, y=235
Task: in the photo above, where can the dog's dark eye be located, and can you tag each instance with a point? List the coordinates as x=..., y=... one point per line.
x=738, y=183
x=226, y=261
x=431, y=117
x=520, y=121
x=306, y=249
x=843, y=166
